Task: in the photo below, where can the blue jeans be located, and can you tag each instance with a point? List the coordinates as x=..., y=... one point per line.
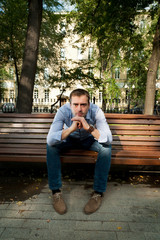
x=102, y=165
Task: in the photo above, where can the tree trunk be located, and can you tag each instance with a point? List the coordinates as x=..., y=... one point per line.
x=26, y=84
x=152, y=73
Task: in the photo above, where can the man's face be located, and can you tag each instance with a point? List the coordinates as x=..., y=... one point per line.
x=79, y=105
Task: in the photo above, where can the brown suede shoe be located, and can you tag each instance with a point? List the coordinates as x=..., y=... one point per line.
x=59, y=204
x=93, y=204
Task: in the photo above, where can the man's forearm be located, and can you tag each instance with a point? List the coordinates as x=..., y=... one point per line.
x=66, y=133
x=95, y=133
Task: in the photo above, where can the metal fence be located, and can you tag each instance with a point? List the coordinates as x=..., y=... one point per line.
x=112, y=106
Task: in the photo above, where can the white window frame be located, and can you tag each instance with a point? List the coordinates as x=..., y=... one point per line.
x=46, y=73
x=100, y=97
x=117, y=73
x=46, y=94
x=62, y=54
x=11, y=93
x=90, y=53
x=36, y=94
x=79, y=54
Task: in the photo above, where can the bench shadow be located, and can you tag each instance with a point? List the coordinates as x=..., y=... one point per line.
x=21, y=181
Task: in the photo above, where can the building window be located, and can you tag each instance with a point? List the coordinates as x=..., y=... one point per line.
x=91, y=97
x=90, y=53
x=11, y=73
x=142, y=25
x=79, y=73
x=45, y=109
x=46, y=73
x=11, y=94
x=128, y=72
x=35, y=109
x=127, y=94
x=100, y=96
x=63, y=28
x=36, y=76
x=79, y=53
x=46, y=95
x=36, y=94
x=62, y=73
x=90, y=72
x=117, y=73
x=62, y=54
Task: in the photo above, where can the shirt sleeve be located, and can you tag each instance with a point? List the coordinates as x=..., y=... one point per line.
x=103, y=128
x=55, y=131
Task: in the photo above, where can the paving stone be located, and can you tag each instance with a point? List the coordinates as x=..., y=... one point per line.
x=10, y=222
x=42, y=207
x=16, y=233
x=95, y=235
x=35, y=223
x=145, y=227
x=152, y=236
x=4, y=206
x=18, y=206
x=130, y=236
x=62, y=225
x=8, y=239
x=1, y=230
x=5, y=213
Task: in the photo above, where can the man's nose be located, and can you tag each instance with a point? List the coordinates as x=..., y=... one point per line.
x=79, y=108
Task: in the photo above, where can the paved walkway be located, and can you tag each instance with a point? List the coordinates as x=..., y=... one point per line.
x=128, y=212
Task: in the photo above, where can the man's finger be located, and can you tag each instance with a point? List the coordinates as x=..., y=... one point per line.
x=79, y=125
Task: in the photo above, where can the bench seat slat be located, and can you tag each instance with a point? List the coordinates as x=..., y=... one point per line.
x=21, y=136
x=119, y=148
x=26, y=120
x=80, y=153
x=23, y=130
x=137, y=138
x=134, y=121
x=17, y=151
x=19, y=141
x=135, y=127
x=122, y=161
x=22, y=145
x=136, y=148
x=115, y=143
x=134, y=132
x=135, y=161
x=24, y=125
x=134, y=143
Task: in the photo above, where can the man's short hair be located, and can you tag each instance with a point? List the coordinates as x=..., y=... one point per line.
x=79, y=92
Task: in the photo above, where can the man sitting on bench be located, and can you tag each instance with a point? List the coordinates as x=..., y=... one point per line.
x=79, y=124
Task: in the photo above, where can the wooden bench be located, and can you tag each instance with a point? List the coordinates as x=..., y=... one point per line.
x=136, y=139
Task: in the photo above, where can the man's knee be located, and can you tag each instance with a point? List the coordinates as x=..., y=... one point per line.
x=52, y=149
x=105, y=149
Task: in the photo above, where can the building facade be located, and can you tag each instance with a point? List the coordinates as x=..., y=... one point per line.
x=72, y=53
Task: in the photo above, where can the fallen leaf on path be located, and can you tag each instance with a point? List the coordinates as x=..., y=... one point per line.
x=119, y=228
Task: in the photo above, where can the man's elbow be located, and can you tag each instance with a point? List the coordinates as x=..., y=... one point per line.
x=50, y=141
